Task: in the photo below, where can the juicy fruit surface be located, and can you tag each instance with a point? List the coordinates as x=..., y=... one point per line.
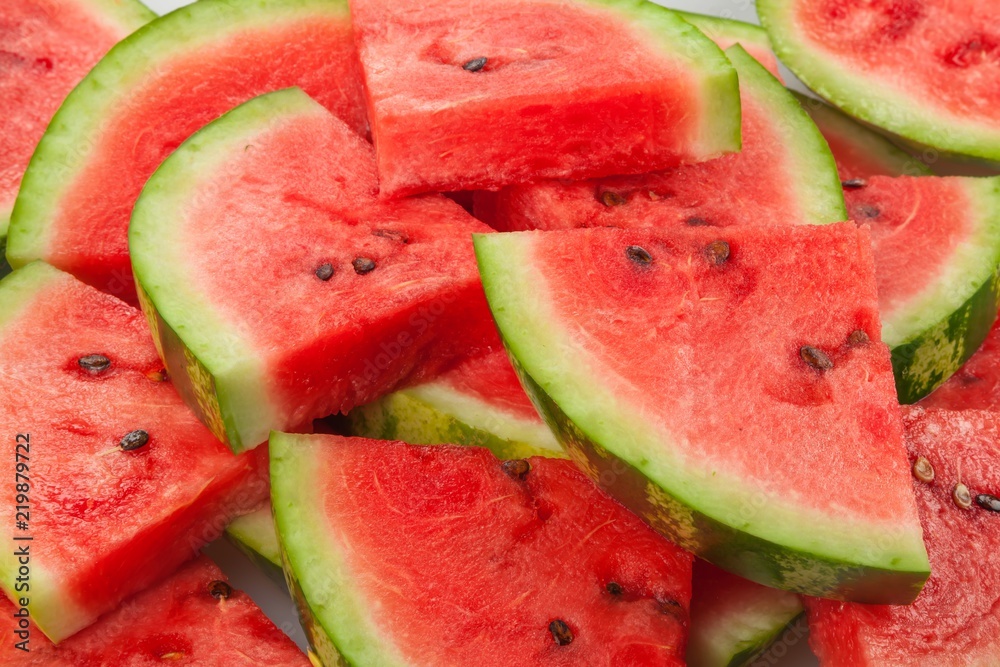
x=735, y=409
x=107, y=522
x=976, y=386
x=179, y=621
x=465, y=564
x=954, y=621
x=572, y=90
x=402, y=299
x=183, y=71
x=765, y=184
x=46, y=47
x=492, y=379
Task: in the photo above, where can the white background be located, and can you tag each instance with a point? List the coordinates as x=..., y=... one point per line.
x=272, y=598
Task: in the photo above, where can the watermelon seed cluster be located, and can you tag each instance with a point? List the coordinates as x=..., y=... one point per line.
x=95, y=364
x=561, y=632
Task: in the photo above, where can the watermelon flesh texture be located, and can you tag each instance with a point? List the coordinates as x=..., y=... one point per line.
x=93, y=162
x=954, y=621
x=572, y=89
x=760, y=371
x=46, y=47
x=727, y=32
x=937, y=249
x=178, y=620
x=976, y=386
x=434, y=555
x=479, y=402
x=784, y=175
x=272, y=344
x=106, y=522
x=922, y=69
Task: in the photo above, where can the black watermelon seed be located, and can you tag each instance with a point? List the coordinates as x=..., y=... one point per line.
x=324, y=271
x=392, y=235
x=94, y=363
x=363, y=265
x=988, y=502
x=717, y=252
x=858, y=338
x=854, y=184
x=610, y=199
x=134, y=440
x=475, y=64
x=696, y=221
x=869, y=211
x=220, y=590
x=517, y=469
x=561, y=632
x=614, y=588
x=815, y=358
x=639, y=255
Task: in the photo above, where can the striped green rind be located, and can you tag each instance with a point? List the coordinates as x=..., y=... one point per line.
x=894, y=108
x=216, y=370
x=74, y=134
x=812, y=170
x=937, y=331
x=612, y=441
x=254, y=535
x=756, y=646
x=740, y=635
x=891, y=160
x=434, y=413
x=333, y=614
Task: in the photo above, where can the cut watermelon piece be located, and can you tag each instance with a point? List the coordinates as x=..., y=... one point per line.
x=860, y=152
x=727, y=32
x=405, y=555
x=479, y=402
x=937, y=258
x=735, y=621
x=976, y=386
x=278, y=299
x=925, y=70
x=785, y=175
x=954, y=622
x=149, y=94
x=125, y=484
x=475, y=96
x=711, y=380
x=254, y=535
x=193, y=618
x=46, y=47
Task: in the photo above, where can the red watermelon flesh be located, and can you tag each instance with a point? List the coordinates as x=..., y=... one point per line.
x=976, y=386
x=954, y=622
x=491, y=378
x=461, y=563
x=192, y=618
x=106, y=522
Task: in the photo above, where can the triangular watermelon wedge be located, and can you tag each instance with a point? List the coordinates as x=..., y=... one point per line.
x=405, y=555
x=729, y=386
x=123, y=483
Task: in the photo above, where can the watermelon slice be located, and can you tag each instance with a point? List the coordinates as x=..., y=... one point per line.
x=937, y=253
x=954, y=622
x=976, y=386
x=46, y=47
x=859, y=151
x=125, y=484
x=570, y=88
x=727, y=32
x=735, y=621
x=785, y=175
x=925, y=70
x=728, y=386
x=193, y=618
x=479, y=402
x=278, y=299
x=404, y=555
x=149, y=94
x=254, y=535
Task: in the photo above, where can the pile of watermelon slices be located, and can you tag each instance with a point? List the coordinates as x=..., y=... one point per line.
x=533, y=332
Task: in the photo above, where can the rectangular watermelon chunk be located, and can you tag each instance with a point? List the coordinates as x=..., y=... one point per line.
x=729, y=385
x=954, y=622
x=122, y=483
x=194, y=617
x=407, y=555
x=468, y=96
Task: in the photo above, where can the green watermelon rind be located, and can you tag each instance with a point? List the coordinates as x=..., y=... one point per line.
x=936, y=332
x=333, y=614
x=716, y=27
x=65, y=147
x=894, y=109
x=213, y=365
x=860, y=563
x=757, y=647
x=817, y=187
x=255, y=536
x=4, y=266
x=893, y=160
x=433, y=413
